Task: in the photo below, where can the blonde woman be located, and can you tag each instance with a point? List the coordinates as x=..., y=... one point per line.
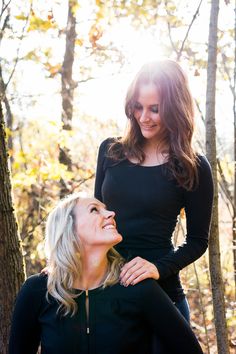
x=80, y=307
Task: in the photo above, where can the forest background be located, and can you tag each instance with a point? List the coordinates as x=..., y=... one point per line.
x=64, y=71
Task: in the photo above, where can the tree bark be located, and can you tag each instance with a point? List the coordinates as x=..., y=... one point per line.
x=214, y=247
x=67, y=66
x=9, y=115
x=11, y=259
x=234, y=108
x=68, y=87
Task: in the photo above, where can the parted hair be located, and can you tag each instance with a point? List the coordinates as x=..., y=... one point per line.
x=176, y=110
x=62, y=247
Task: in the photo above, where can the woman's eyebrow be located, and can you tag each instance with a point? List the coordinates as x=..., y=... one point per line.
x=97, y=204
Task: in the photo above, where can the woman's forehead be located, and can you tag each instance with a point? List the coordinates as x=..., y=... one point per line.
x=85, y=202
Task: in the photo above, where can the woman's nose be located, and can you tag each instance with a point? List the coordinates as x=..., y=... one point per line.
x=109, y=214
x=144, y=116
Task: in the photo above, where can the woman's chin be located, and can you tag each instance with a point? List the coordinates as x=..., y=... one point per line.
x=118, y=239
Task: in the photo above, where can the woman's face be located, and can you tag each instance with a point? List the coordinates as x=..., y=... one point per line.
x=94, y=224
x=146, y=111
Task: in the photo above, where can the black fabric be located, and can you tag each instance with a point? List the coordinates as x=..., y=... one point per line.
x=147, y=203
x=121, y=321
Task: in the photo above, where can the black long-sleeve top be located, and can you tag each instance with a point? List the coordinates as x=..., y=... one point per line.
x=120, y=320
x=147, y=203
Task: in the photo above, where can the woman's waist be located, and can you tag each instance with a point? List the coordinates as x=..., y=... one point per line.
x=151, y=254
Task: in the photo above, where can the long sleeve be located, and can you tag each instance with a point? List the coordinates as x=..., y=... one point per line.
x=166, y=321
x=25, y=330
x=198, y=208
x=100, y=173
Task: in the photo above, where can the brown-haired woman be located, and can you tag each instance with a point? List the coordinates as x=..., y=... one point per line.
x=152, y=173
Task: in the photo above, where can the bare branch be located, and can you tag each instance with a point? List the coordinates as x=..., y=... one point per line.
x=226, y=70
x=18, y=49
x=169, y=29
x=187, y=33
x=4, y=7
x=4, y=26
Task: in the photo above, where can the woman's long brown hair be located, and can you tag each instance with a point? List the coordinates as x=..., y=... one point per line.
x=177, y=121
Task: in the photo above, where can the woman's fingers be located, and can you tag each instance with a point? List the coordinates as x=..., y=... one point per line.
x=45, y=270
x=137, y=270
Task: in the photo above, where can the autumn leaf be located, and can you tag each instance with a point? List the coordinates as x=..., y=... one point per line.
x=38, y=24
x=21, y=17
x=52, y=69
x=79, y=42
x=95, y=34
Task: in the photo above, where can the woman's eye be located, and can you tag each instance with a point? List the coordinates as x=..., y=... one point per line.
x=138, y=106
x=93, y=209
x=155, y=109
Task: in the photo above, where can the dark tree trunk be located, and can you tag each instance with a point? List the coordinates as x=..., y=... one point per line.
x=214, y=247
x=67, y=67
x=234, y=108
x=11, y=259
x=9, y=115
x=68, y=87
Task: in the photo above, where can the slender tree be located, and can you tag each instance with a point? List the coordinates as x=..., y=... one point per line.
x=67, y=67
x=11, y=259
x=214, y=247
x=68, y=87
x=234, y=108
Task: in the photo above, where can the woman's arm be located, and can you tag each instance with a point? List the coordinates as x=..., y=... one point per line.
x=166, y=321
x=198, y=209
x=25, y=329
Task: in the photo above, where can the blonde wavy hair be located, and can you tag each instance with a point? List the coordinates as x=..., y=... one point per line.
x=62, y=247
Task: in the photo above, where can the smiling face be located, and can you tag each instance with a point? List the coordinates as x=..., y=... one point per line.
x=94, y=224
x=146, y=111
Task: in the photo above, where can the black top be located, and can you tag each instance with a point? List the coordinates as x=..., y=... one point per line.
x=147, y=203
x=120, y=321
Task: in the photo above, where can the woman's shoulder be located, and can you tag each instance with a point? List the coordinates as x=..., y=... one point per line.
x=36, y=283
x=138, y=291
x=202, y=161
x=33, y=291
x=204, y=167
x=105, y=144
x=110, y=152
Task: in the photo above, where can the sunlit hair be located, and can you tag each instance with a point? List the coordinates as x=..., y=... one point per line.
x=62, y=246
x=176, y=111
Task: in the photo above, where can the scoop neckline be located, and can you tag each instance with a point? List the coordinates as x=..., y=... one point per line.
x=143, y=166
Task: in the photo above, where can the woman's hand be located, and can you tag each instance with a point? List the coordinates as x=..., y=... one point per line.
x=137, y=270
x=45, y=270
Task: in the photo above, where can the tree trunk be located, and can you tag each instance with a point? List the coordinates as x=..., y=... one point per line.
x=9, y=115
x=68, y=87
x=214, y=247
x=234, y=108
x=11, y=259
x=67, y=66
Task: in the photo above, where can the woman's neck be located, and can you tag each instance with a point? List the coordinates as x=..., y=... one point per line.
x=154, y=154
x=94, y=271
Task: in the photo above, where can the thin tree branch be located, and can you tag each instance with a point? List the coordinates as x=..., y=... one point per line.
x=18, y=49
x=225, y=185
x=169, y=28
x=4, y=7
x=226, y=69
x=187, y=33
x=202, y=307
